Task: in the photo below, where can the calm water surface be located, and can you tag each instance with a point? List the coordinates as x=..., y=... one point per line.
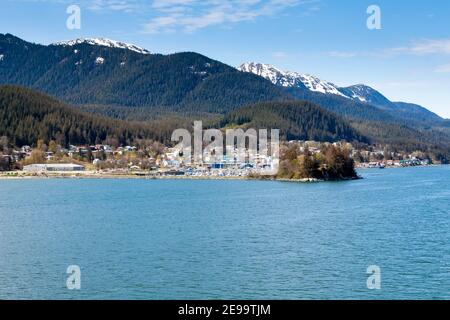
x=147, y=239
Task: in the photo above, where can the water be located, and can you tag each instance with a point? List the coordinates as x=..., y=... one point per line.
x=147, y=239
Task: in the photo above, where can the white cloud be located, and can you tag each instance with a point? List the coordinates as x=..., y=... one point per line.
x=417, y=48
x=114, y=5
x=342, y=54
x=192, y=15
x=280, y=54
x=425, y=47
x=102, y=5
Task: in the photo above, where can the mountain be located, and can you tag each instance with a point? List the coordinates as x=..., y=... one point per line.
x=104, y=72
x=306, y=86
x=113, y=74
x=290, y=79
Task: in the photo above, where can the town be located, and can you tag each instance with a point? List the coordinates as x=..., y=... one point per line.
x=153, y=159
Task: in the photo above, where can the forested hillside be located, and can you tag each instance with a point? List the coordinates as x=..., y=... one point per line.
x=26, y=116
x=89, y=74
x=297, y=120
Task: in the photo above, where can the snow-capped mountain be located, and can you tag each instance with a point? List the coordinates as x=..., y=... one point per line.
x=104, y=43
x=360, y=92
x=290, y=79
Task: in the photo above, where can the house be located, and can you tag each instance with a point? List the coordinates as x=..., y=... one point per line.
x=63, y=167
x=26, y=149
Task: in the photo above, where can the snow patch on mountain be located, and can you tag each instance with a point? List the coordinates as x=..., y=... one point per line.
x=363, y=93
x=359, y=92
x=104, y=43
x=99, y=60
x=290, y=79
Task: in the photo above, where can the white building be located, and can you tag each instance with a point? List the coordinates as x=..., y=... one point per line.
x=53, y=167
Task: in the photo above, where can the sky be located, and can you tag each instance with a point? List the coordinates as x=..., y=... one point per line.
x=408, y=59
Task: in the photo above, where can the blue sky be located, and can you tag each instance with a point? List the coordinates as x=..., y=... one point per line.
x=407, y=60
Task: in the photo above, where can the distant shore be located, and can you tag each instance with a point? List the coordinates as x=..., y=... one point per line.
x=399, y=167
x=20, y=175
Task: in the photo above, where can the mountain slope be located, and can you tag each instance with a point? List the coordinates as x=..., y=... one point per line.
x=26, y=116
x=366, y=94
x=297, y=120
x=110, y=73
x=402, y=110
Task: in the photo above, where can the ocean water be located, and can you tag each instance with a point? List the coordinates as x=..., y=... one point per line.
x=184, y=239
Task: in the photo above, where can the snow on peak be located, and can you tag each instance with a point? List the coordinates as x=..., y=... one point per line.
x=317, y=85
x=104, y=43
x=267, y=71
x=290, y=79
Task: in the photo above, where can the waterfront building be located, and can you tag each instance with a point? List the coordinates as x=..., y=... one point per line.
x=63, y=167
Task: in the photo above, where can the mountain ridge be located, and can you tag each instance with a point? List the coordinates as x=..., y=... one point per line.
x=83, y=73
x=102, y=42
x=358, y=93
x=97, y=71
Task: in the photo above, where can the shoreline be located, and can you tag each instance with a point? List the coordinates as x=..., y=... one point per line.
x=400, y=167
x=20, y=175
